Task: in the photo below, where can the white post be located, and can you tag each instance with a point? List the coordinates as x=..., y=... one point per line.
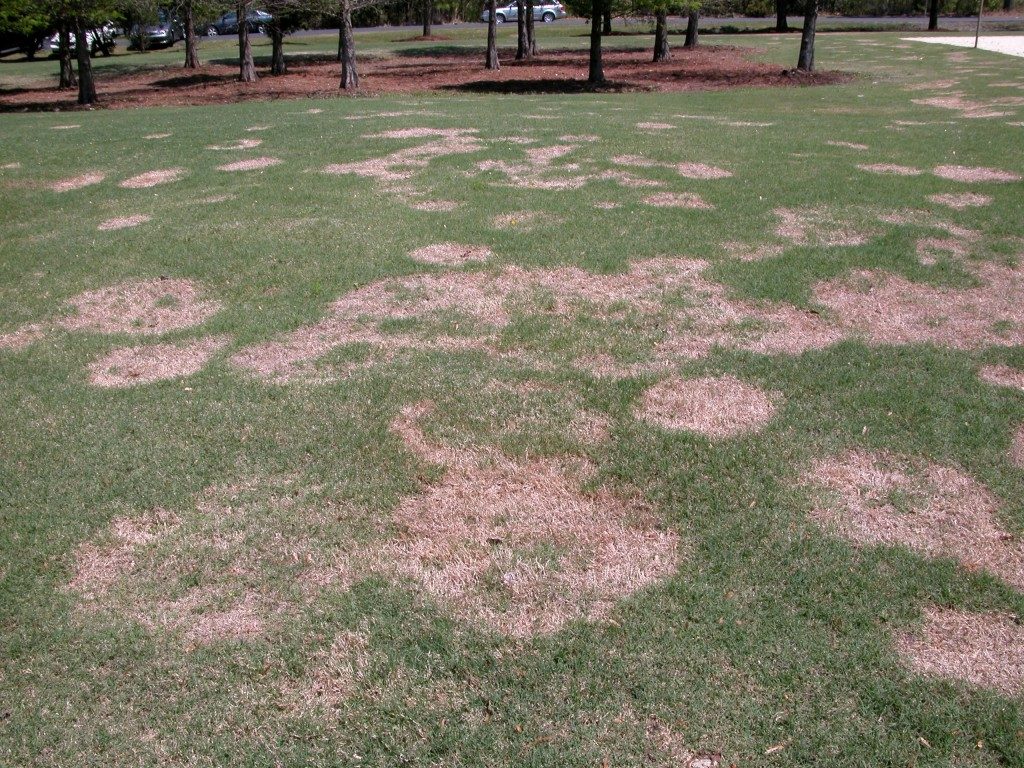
x=977, y=30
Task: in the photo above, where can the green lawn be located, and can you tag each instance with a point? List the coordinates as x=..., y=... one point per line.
x=202, y=570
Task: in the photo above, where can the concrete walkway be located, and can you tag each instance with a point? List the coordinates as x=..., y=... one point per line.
x=1012, y=45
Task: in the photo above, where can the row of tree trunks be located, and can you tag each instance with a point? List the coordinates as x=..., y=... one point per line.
x=522, y=44
x=428, y=17
x=781, y=12
x=347, y=49
x=531, y=37
x=595, y=76
x=661, y=51
x=806, y=61
x=246, y=65
x=86, y=86
x=67, y=69
x=191, y=44
x=692, y=24
x=277, y=64
x=491, y=61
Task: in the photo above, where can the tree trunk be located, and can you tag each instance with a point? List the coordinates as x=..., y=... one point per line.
x=781, y=12
x=933, y=15
x=428, y=17
x=596, y=73
x=246, y=66
x=86, y=86
x=67, y=70
x=522, y=44
x=806, y=61
x=277, y=64
x=606, y=13
x=492, y=35
x=531, y=37
x=692, y=27
x=191, y=44
x=347, y=50
x=661, y=52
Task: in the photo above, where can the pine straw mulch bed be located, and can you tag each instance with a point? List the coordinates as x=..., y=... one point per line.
x=713, y=67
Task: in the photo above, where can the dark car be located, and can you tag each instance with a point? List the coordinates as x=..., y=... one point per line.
x=255, y=21
x=167, y=30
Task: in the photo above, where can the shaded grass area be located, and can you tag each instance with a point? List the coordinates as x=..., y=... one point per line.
x=771, y=633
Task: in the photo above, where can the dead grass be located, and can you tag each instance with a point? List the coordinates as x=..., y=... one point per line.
x=140, y=307
x=133, y=366
x=435, y=206
x=1003, y=376
x=334, y=674
x=889, y=309
x=979, y=175
x=22, y=337
x=717, y=407
x=966, y=107
x=485, y=299
x=237, y=144
x=930, y=249
x=123, y=222
x=817, y=226
x=655, y=126
x=98, y=567
x=934, y=509
x=891, y=169
x=848, y=145
x=404, y=164
x=517, y=546
x=985, y=650
x=253, y=164
x=678, y=200
x=77, y=182
x=153, y=178
x=962, y=201
x=687, y=170
x=518, y=220
x=451, y=254
x=747, y=252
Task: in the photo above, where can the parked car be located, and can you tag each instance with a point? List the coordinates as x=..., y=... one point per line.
x=100, y=40
x=166, y=32
x=255, y=21
x=542, y=11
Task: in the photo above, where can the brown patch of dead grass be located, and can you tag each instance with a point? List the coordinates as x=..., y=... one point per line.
x=451, y=254
x=974, y=175
x=334, y=674
x=817, y=226
x=133, y=366
x=985, y=650
x=962, y=201
x=142, y=307
x=517, y=546
x=1003, y=376
x=77, y=182
x=678, y=200
x=253, y=164
x=717, y=407
x=123, y=222
x=931, y=508
x=889, y=309
x=22, y=337
x=891, y=169
x=153, y=178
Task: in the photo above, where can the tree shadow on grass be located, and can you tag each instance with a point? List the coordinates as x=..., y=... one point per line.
x=544, y=86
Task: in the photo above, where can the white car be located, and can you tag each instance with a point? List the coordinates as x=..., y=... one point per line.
x=100, y=40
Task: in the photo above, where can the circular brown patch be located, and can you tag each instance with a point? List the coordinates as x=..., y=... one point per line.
x=255, y=164
x=144, y=307
x=123, y=222
x=968, y=174
x=451, y=254
x=156, y=362
x=152, y=178
x=714, y=406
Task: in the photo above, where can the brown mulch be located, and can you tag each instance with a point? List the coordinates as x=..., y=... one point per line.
x=708, y=68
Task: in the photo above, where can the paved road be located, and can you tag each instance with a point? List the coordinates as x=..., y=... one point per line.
x=921, y=22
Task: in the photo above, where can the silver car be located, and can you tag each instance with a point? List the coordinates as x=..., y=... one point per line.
x=542, y=11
